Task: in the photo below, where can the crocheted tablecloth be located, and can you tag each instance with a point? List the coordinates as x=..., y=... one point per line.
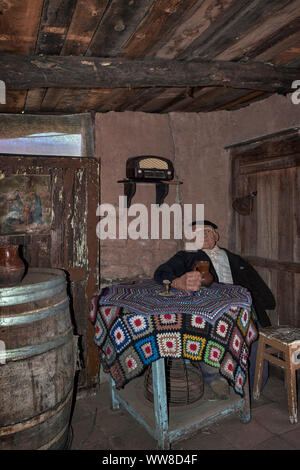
x=130, y=339
x=209, y=302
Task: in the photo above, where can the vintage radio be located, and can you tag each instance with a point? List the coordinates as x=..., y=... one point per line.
x=149, y=168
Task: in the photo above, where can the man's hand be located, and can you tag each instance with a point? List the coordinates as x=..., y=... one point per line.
x=188, y=281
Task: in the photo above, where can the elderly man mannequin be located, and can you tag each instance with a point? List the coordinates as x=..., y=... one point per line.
x=226, y=267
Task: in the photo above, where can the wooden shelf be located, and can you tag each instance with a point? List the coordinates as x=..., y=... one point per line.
x=162, y=188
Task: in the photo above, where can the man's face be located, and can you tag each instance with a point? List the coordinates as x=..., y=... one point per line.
x=210, y=237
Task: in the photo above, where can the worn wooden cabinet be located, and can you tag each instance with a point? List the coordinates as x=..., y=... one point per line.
x=269, y=237
x=60, y=232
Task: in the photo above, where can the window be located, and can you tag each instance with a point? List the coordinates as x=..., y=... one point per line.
x=61, y=135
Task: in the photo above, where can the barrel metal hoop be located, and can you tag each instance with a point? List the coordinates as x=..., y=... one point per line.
x=38, y=291
x=36, y=316
x=55, y=439
x=34, y=350
x=29, y=423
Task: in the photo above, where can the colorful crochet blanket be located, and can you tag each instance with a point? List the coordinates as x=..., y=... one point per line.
x=209, y=302
x=129, y=341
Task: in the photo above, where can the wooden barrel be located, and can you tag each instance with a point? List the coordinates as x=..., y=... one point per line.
x=37, y=362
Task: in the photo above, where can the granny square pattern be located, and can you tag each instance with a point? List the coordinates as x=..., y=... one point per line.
x=222, y=329
x=100, y=331
x=93, y=309
x=120, y=335
x=169, y=344
x=168, y=321
x=244, y=357
x=235, y=343
x=109, y=352
x=252, y=334
x=243, y=320
x=195, y=323
x=239, y=380
x=233, y=312
x=147, y=349
x=129, y=339
x=131, y=363
x=138, y=325
x=193, y=347
x=109, y=314
x=213, y=354
x=228, y=367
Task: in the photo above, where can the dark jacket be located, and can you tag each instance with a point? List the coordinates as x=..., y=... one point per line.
x=243, y=274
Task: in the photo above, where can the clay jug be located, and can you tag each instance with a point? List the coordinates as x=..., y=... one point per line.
x=203, y=268
x=12, y=267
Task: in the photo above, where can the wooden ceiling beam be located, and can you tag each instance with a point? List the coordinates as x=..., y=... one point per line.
x=55, y=21
x=213, y=42
x=26, y=72
x=116, y=27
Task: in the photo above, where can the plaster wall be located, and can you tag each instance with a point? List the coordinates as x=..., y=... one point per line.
x=195, y=143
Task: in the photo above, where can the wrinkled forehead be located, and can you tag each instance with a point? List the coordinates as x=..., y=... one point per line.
x=206, y=228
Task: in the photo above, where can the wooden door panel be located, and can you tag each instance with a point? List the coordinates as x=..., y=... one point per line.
x=270, y=236
x=71, y=243
x=248, y=226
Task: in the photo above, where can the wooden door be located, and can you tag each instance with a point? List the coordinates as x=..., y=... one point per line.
x=62, y=234
x=270, y=236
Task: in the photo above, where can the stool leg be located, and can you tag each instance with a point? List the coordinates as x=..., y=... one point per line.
x=290, y=379
x=258, y=368
x=160, y=403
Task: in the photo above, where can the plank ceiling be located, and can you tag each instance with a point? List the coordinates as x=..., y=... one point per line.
x=234, y=30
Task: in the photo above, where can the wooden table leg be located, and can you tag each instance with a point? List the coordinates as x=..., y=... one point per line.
x=115, y=405
x=245, y=411
x=160, y=403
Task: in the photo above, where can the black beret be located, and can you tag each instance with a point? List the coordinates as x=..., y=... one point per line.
x=205, y=222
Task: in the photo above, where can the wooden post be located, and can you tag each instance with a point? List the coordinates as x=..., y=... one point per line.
x=160, y=403
x=245, y=412
x=258, y=368
x=290, y=380
x=114, y=402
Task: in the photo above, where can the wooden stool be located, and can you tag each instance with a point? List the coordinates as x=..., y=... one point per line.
x=280, y=345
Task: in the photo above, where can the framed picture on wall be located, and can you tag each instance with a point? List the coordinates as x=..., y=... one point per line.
x=25, y=204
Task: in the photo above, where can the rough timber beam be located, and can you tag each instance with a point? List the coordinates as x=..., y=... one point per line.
x=21, y=72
